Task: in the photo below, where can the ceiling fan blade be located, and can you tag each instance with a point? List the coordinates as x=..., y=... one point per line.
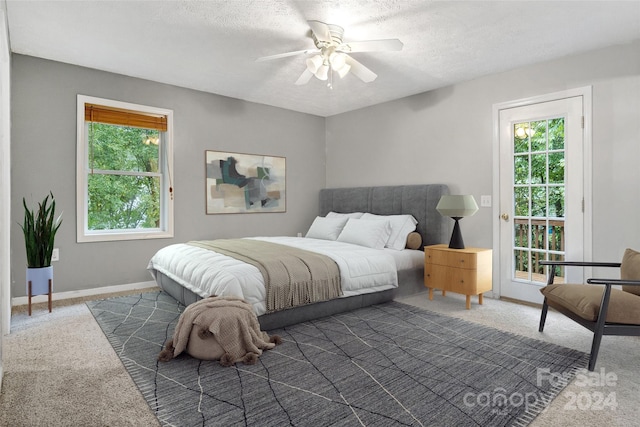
x=286, y=54
x=320, y=31
x=372, y=46
x=304, y=77
x=360, y=71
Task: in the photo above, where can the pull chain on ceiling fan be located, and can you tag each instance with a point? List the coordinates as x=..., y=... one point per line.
x=331, y=54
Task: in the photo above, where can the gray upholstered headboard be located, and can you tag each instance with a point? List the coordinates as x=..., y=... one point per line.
x=417, y=200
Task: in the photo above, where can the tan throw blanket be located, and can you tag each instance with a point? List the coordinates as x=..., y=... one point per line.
x=232, y=323
x=292, y=276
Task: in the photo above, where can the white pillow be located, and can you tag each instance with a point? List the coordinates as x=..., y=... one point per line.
x=344, y=215
x=401, y=226
x=326, y=228
x=372, y=234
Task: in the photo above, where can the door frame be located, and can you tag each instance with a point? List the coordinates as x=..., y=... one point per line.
x=5, y=185
x=586, y=94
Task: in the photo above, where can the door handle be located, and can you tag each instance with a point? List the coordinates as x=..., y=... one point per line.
x=505, y=216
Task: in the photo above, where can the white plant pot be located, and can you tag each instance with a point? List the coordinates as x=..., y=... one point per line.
x=39, y=278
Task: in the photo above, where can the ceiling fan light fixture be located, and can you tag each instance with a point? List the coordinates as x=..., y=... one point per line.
x=332, y=54
x=323, y=72
x=344, y=70
x=314, y=63
x=338, y=60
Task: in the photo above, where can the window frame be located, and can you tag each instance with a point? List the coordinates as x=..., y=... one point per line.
x=83, y=234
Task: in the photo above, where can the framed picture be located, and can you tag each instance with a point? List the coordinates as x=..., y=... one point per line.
x=244, y=183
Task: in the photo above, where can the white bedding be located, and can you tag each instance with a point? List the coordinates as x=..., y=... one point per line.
x=362, y=270
x=408, y=259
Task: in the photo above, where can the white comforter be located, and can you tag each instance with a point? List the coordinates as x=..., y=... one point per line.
x=205, y=272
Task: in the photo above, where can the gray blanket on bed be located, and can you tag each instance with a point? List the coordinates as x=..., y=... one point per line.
x=292, y=276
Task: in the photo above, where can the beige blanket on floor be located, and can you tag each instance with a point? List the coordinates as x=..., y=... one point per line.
x=232, y=323
x=292, y=276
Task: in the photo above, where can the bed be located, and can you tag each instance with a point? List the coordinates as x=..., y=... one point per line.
x=403, y=277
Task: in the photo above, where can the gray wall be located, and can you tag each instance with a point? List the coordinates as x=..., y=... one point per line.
x=446, y=136
x=43, y=158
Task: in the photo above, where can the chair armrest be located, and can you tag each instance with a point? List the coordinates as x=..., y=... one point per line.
x=552, y=271
x=581, y=263
x=613, y=282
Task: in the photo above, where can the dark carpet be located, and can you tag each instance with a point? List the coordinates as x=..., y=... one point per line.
x=385, y=365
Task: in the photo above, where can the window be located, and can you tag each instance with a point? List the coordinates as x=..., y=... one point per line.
x=124, y=165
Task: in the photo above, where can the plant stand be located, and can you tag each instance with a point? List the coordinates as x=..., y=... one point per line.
x=48, y=294
x=39, y=282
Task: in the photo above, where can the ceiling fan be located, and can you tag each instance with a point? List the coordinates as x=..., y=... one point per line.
x=331, y=54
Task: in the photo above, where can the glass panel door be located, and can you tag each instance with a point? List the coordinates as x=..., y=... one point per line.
x=541, y=191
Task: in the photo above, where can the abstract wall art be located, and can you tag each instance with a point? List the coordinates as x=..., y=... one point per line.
x=244, y=183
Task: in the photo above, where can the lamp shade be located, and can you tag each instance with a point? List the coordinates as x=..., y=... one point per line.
x=457, y=206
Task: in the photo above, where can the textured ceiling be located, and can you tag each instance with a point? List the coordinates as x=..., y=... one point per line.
x=212, y=45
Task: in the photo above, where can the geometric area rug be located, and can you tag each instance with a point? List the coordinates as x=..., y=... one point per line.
x=388, y=364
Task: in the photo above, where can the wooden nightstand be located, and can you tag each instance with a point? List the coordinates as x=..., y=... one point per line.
x=463, y=271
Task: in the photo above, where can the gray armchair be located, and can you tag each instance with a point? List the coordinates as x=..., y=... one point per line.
x=602, y=309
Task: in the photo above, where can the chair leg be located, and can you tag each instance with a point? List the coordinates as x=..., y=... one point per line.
x=543, y=315
x=595, y=348
x=599, y=329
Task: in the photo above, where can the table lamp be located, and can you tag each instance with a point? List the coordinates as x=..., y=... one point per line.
x=457, y=207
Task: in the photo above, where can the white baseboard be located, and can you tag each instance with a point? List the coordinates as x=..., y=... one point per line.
x=84, y=293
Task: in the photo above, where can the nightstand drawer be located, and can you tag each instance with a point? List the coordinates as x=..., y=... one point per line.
x=458, y=280
x=454, y=259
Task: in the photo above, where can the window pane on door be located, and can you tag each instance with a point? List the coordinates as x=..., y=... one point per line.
x=556, y=167
x=556, y=202
x=538, y=201
x=556, y=134
x=521, y=169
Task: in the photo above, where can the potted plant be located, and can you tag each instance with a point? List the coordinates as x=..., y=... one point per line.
x=40, y=229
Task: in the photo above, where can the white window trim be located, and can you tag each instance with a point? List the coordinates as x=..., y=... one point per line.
x=82, y=232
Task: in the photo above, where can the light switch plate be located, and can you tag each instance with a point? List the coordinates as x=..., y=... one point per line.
x=485, y=201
